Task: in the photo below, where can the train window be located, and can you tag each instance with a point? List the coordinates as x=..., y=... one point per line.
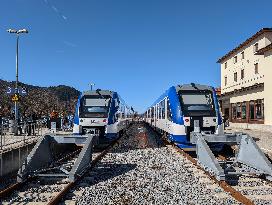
x=152, y=112
x=160, y=110
x=163, y=109
x=169, y=115
x=157, y=111
x=197, y=103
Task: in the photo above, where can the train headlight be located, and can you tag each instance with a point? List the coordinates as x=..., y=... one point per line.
x=186, y=121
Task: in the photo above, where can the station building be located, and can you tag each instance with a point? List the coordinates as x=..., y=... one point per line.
x=246, y=82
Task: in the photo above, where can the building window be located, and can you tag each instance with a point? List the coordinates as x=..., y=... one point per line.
x=226, y=80
x=251, y=110
x=233, y=111
x=235, y=59
x=238, y=111
x=256, y=67
x=243, y=55
x=235, y=77
x=259, y=109
x=242, y=74
x=226, y=65
x=256, y=47
x=244, y=110
x=256, y=110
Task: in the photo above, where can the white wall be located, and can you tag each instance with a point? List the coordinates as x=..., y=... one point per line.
x=250, y=78
x=268, y=88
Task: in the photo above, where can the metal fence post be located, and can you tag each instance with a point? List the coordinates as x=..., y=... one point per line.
x=25, y=132
x=1, y=135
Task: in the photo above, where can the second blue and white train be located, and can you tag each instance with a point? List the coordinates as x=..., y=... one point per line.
x=103, y=113
x=175, y=111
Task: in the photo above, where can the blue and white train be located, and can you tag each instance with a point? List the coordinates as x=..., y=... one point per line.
x=102, y=113
x=176, y=110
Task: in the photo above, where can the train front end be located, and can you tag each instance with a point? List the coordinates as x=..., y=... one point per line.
x=199, y=109
x=92, y=113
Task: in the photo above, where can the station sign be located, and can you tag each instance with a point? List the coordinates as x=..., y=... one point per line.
x=21, y=91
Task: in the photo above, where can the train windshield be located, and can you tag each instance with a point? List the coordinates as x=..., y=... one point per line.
x=95, y=106
x=197, y=103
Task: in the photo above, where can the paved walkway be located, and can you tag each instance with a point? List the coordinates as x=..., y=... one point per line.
x=263, y=138
x=9, y=141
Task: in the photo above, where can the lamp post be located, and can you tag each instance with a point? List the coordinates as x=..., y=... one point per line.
x=16, y=108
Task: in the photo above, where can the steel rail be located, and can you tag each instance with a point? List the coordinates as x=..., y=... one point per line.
x=6, y=192
x=66, y=189
x=224, y=185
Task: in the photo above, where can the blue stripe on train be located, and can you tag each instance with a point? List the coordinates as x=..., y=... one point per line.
x=181, y=141
x=111, y=135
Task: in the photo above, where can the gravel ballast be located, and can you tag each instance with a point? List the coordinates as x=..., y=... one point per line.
x=141, y=170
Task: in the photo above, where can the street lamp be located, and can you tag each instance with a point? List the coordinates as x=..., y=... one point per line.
x=17, y=32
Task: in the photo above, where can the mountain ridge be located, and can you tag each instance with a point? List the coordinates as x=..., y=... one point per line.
x=39, y=100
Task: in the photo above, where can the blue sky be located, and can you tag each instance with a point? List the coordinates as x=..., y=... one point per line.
x=136, y=47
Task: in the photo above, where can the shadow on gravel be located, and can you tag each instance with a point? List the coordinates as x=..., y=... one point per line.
x=138, y=136
x=107, y=171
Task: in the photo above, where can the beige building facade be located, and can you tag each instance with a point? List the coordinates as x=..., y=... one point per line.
x=246, y=82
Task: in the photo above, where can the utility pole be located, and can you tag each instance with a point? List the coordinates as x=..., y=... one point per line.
x=16, y=107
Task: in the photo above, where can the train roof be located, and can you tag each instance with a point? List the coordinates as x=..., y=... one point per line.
x=95, y=92
x=193, y=86
x=104, y=92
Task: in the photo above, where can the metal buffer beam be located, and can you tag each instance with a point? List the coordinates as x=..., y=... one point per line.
x=207, y=159
x=249, y=155
x=84, y=159
x=47, y=151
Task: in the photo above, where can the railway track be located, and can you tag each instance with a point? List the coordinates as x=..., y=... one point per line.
x=129, y=173
x=141, y=170
x=246, y=189
x=47, y=189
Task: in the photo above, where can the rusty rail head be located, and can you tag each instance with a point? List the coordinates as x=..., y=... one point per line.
x=234, y=193
x=6, y=192
x=56, y=200
x=224, y=185
x=61, y=194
